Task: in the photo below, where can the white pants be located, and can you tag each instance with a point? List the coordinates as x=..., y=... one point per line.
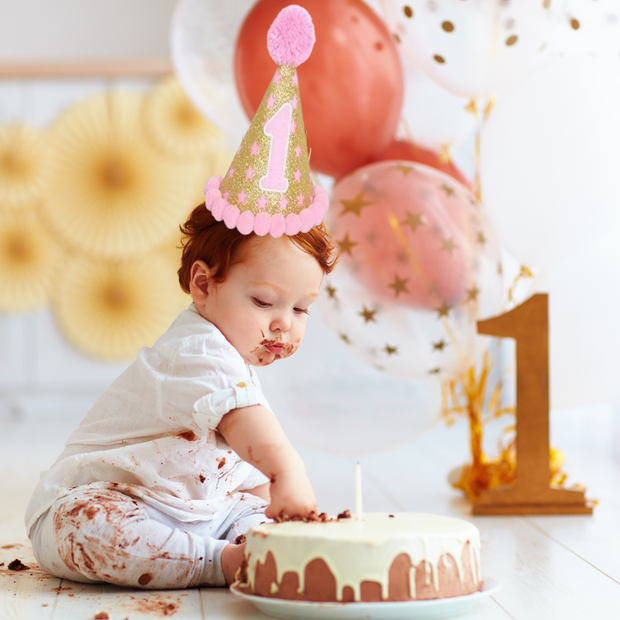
x=101, y=535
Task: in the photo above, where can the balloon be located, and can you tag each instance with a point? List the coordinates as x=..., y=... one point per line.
x=584, y=338
x=591, y=28
x=418, y=266
x=202, y=40
x=549, y=159
x=471, y=48
x=407, y=151
x=331, y=401
x=434, y=116
x=351, y=86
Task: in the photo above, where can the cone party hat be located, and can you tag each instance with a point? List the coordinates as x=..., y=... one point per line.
x=268, y=188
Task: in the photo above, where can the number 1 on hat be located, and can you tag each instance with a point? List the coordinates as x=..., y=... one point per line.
x=278, y=130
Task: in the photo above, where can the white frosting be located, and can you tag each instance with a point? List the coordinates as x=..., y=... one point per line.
x=357, y=551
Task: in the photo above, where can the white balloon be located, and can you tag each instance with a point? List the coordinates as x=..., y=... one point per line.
x=435, y=117
x=584, y=334
x=203, y=36
x=472, y=48
x=330, y=401
x=549, y=159
x=588, y=28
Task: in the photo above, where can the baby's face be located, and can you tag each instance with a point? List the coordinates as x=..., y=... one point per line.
x=262, y=305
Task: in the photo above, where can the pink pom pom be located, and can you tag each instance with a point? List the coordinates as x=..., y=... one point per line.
x=262, y=222
x=293, y=224
x=318, y=209
x=217, y=208
x=307, y=220
x=278, y=225
x=213, y=182
x=211, y=195
x=245, y=223
x=291, y=37
x=231, y=215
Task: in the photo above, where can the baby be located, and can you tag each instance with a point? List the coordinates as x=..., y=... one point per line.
x=181, y=455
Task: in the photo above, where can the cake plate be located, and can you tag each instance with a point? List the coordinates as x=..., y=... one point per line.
x=408, y=610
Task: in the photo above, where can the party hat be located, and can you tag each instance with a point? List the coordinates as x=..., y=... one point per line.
x=268, y=187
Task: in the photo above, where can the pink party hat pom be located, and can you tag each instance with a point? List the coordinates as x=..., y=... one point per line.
x=291, y=37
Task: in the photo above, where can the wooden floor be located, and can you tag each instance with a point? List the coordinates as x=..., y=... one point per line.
x=549, y=567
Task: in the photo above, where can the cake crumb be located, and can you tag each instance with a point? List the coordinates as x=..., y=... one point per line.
x=240, y=539
x=344, y=515
x=391, y=516
x=17, y=565
x=102, y=615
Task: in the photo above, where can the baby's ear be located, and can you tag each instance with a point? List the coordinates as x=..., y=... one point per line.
x=199, y=281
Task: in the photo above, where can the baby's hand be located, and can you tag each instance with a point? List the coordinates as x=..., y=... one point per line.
x=291, y=495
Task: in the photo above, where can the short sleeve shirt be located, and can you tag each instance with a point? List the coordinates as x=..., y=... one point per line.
x=152, y=433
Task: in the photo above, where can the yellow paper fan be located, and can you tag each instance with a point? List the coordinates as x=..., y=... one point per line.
x=109, y=309
x=113, y=195
x=24, y=165
x=175, y=125
x=29, y=260
x=216, y=162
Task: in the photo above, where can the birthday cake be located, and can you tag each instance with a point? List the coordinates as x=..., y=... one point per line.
x=383, y=557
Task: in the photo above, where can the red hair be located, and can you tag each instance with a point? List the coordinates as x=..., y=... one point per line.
x=206, y=239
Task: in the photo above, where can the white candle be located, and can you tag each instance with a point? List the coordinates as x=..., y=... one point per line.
x=358, y=492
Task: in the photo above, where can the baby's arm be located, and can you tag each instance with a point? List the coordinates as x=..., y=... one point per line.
x=257, y=437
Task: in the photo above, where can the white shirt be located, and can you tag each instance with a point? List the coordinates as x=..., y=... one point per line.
x=152, y=435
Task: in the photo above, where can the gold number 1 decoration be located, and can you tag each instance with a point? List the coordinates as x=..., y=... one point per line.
x=532, y=493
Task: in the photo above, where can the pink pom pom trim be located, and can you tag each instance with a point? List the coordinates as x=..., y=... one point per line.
x=278, y=225
x=307, y=220
x=214, y=181
x=262, y=222
x=293, y=224
x=211, y=195
x=245, y=223
x=291, y=37
x=231, y=215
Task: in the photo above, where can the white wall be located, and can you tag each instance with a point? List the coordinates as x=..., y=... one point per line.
x=34, y=30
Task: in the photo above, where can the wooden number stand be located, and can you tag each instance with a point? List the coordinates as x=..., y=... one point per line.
x=532, y=492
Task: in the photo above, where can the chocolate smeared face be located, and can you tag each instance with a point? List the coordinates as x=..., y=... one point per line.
x=262, y=306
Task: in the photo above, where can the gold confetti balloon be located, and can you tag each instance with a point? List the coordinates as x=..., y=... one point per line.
x=419, y=266
x=29, y=261
x=472, y=48
x=114, y=194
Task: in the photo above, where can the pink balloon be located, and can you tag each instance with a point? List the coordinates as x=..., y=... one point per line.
x=405, y=233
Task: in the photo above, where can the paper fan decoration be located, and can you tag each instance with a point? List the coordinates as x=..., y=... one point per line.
x=24, y=165
x=114, y=195
x=29, y=259
x=109, y=309
x=175, y=125
x=172, y=252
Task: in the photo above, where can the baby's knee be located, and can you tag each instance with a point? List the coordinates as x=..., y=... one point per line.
x=95, y=530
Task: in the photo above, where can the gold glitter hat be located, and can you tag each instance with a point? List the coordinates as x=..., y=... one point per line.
x=268, y=187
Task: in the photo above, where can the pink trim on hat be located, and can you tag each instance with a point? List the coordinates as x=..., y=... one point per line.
x=276, y=225
x=245, y=223
x=231, y=215
x=262, y=222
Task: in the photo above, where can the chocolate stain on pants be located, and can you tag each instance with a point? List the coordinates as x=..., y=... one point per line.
x=95, y=535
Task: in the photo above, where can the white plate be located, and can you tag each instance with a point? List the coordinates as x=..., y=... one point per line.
x=410, y=610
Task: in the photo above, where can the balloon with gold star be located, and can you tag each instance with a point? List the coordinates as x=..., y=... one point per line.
x=418, y=267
